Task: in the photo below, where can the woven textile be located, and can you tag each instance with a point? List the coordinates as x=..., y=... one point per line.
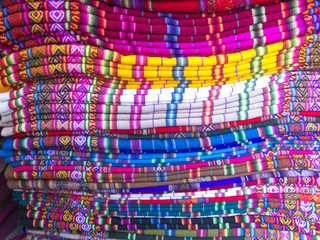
x=172, y=120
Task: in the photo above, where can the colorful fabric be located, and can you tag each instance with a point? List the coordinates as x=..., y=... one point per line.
x=176, y=6
x=91, y=20
x=161, y=119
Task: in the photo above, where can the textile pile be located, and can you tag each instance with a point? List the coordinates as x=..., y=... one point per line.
x=173, y=120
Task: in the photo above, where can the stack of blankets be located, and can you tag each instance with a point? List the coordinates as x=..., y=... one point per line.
x=162, y=119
